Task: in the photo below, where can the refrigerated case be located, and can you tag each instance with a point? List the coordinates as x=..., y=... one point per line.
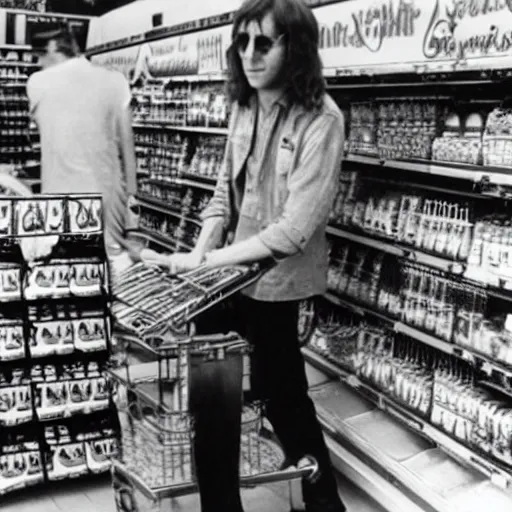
x=410, y=356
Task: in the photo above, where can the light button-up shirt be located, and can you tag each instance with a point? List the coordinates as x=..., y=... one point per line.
x=279, y=184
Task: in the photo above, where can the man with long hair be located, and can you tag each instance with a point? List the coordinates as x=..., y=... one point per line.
x=278, y=181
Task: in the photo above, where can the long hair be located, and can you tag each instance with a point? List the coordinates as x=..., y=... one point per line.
x=304, y=82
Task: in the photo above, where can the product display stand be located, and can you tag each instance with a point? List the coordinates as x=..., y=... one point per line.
x=56, y=419
x=167, y=404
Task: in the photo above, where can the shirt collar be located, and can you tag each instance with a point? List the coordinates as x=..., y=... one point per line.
x=282, y=101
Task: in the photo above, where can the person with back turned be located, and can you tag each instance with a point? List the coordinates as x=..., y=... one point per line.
x=84, y=118
x=274, y=192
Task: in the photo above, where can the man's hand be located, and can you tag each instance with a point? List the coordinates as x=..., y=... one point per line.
x=176, y=263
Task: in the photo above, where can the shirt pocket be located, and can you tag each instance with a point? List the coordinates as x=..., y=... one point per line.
x=284, y=162
x=250, y=206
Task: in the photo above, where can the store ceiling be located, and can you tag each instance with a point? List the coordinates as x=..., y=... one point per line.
x=85, y=7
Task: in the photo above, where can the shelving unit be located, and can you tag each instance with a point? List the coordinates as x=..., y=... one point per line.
x=483, y=363
x=474, y=173
x=419, y=459
x=152, y=125
x=56, y=419
x=18, y=143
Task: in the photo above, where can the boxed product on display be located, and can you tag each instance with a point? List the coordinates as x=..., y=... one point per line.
x=355, y=272
x=51, y=215
x=438, y=226
x=208, y=157
x=12, y=339
x=66, y=390
x=395, y=129
x=20, y=462
x=457, y=145
x=63, y=331
x=363, y=129
x=407, y=128
x=497, y=140
x=15, y=398
x=10, y=282
x=472, y=415
x=65, y=278
x=399, y=371
x=488, y=260
x=162, y=155
x=72, y=453
x=182, y=104
x=435, y=302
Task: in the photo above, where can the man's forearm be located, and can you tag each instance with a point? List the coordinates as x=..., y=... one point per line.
x=211, y=235
x=247, y=251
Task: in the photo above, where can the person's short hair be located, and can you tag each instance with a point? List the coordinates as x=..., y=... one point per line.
x=304, y=82
x=62, y=34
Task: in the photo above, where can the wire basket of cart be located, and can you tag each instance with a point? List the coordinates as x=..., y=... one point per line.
x=156, y=312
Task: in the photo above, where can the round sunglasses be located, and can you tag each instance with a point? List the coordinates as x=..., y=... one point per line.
x=262, y=43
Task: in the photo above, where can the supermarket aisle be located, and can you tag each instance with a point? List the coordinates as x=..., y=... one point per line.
x=86, y=496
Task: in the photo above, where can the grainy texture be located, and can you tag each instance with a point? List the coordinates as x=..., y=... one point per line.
x=96, y=495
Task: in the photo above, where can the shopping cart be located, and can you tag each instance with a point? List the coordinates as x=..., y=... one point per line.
x=155, y=315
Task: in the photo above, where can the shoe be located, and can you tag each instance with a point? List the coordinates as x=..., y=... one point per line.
x=320, y=494
x=324, y=505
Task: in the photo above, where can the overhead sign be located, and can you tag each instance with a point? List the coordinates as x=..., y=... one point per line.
x=190, y=54
x=18, y=27
x=356, y=37
x=415, y=35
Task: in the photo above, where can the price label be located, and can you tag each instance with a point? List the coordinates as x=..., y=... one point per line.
x=508, y=323
x=353, y=381
x=487, y=368
x=500, y=480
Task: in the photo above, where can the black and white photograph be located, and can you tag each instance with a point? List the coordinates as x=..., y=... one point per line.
x=255, y=255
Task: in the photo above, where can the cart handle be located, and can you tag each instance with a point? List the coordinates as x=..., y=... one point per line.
x=216, y=340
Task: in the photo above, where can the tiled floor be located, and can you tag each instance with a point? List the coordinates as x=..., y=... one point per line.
x=96, y=495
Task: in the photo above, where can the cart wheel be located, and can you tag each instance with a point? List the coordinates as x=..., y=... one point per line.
x=307, y=321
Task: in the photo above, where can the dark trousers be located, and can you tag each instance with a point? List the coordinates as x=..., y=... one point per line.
x=278, y=378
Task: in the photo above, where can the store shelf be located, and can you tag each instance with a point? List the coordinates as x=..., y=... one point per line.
x=399, y=250
x=417, y=256
x=164, y=241
x=357, y=308
x=496, y=175
x=479, y=361
x=195, y=184
x=212, y=77
x=18, y=64
x=15, y=85
x=365, y=240
x=423, y=186
x=199, y=179
x=383, y=435
x=192, y=129
x=157, y=204
x=20, y=47
x=163, y=207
